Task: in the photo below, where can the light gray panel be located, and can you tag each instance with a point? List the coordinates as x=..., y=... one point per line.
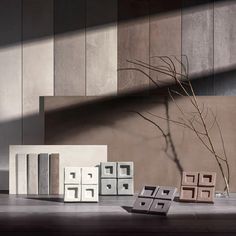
x=101, y=47
x=10, y=82
x=33, y=173
x=225, y=47
x=37, y=65
x=69, y=48
x=197, y=43
x=21, y=173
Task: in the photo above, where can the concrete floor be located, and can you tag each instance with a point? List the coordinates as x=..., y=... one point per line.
x=24, y=215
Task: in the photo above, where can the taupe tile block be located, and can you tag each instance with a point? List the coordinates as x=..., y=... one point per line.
x=125, y=170
x=160, y=206
x=89, y=175
x=21, y=173
x=190, y=178
x=207, y=179
x=125, y=186
x=167, y=193
x=142, y=205
x=54, y=173
x=108, y=170
x=72, y=175
x=89, y=193
x=188, y=193
x=148, y=191
x=33, y=173
x=206, y=194
x=43, y=173
x=72, y=193
x=108, y=187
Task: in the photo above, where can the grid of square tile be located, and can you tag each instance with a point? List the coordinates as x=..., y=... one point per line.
x=116, y=178
x=81, y=184
x=198, y=187
x=154, y=200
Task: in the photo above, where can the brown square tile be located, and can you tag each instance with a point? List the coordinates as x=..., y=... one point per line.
x=190, y=178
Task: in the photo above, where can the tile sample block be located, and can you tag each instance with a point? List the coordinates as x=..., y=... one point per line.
x=54, y=163
x=207, y=179
x=125, y=186
x=108, y=170
x=43, y=173
x=108, y=187
x=72, y=175
x=21, y=173
x=70, y=155
x=167, y=193
x=160, y=206
x=206, y=194
x=188, y=193
x=190, y=178
x=89, y=193
x=149, y=191
x=142, y=205
x=89, y=175
x=125, y=170
x=32, y=173
x=72, y=193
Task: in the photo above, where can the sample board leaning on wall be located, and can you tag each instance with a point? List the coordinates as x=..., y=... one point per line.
x=91, y=120
x=70, y=155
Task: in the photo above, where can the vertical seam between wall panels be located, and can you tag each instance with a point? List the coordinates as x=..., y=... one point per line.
x=22, y=76
x=85, y=47
x=181, y=34
x=149, y=39
x=213, y=63
x=53, y=34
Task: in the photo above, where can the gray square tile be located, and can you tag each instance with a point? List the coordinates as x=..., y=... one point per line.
x=142, y=205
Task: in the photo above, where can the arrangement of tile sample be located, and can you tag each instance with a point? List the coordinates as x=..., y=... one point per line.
x=154, y=200
x=116, y=178
x=198, y=187
x=81, y=184
x=70, y=155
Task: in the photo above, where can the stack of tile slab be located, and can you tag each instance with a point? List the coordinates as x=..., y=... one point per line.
x=154, y=200
x=198, y=187
x=116, y=178
x=81, y=184
x=37, y=174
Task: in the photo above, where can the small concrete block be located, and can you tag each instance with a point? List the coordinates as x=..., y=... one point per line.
x=188, y=193
x=206, y=194
x=89, y=193
x=125, y=187
x=190, y=178
x=142, y=204
x=72, y=175
x=89, y=175
x=167, y=193
x=207, y=179
x=160, y=206
x=149, y=191
x=125, y=170
x=108, y=170
x=108, y=187
x=72, y=193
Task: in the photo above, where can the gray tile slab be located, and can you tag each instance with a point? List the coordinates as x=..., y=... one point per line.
x=142, y=205
x=165, y=192
x=125, y=170
x=32, y=173
x=43, y=173
x=125, y=186
x=21, y=173
x=160, y=206
x=149, y=191
x=108, y=170
x=108, y=187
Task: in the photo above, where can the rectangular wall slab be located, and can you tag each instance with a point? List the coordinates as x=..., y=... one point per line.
x=101, y=47
x=197, y=43
x=33, y=173
x=10, y=82
x=21, y=174
x=224, y=47
x=37, y=65
x=69, y=47
x=54, y=166
x=43, y=173
x=70, y=155
x=133, y=43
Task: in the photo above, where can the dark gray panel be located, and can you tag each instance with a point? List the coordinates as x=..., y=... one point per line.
x=69, y=47
x=54, y=165
x=43, y=173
